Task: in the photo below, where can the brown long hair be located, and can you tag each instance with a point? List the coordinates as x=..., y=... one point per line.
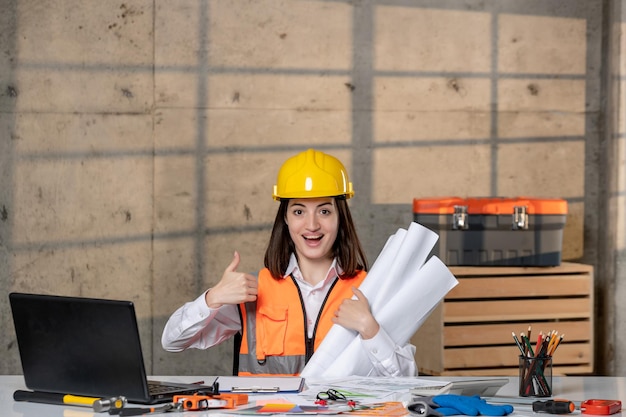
x=347, y=247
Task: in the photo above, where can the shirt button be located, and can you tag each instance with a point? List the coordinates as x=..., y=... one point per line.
x=374, y=351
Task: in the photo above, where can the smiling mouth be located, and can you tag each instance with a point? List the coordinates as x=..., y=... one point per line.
x=313, y=238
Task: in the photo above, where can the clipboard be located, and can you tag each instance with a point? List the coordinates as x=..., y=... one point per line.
x=260, y=384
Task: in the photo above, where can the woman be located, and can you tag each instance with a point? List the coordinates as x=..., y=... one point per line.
x=314, y=264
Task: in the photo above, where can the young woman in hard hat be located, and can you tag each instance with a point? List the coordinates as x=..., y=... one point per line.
x=314, y=264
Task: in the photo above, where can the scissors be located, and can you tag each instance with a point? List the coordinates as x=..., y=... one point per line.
x=324, y=397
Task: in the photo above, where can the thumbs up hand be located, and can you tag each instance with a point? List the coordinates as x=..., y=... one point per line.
x=234, y=287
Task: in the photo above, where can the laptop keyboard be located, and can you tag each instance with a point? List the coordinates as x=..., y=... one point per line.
x=156, y=388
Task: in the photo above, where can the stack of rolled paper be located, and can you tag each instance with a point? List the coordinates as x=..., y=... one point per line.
x=402, y=290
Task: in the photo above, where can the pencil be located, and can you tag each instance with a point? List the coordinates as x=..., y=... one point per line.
x=527, y=344
x=556, y=344
x=552, y=342
x=543, y=348
x=519, y=345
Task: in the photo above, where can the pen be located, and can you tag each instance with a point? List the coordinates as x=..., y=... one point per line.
x=255, y=389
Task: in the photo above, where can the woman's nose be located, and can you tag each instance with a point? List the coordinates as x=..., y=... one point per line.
x=312, y=222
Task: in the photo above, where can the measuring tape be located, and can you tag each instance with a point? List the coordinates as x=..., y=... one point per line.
x=601, y=407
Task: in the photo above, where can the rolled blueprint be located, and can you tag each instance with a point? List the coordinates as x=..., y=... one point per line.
x=341, y=336
x=400, y=317
x=400, y=295
x=396, y=268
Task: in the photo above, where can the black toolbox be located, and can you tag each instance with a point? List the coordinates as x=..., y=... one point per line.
x=520, y=231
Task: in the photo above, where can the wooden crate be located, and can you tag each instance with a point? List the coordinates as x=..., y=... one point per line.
x=469, y=333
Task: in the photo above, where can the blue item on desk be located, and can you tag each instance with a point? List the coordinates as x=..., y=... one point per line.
x=453, y=404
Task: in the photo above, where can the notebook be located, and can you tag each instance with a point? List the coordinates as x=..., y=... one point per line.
x=85, y=346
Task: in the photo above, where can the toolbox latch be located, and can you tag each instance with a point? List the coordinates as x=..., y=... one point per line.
x=459, y=218
x=520, y=218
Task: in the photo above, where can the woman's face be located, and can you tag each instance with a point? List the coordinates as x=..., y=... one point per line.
x=313, y=225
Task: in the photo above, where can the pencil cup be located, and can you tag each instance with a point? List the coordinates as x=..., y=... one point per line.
x=535, y=376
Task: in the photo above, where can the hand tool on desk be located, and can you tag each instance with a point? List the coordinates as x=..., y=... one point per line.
x=200, y=401
x=138, y=411
x=98, y=404
x=190, y=402
x=556, y=406
x=112, y=404
x=601, y=407
x=563, y=406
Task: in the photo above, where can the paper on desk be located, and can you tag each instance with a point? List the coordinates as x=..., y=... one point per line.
x=368, y=389
x=401, y=292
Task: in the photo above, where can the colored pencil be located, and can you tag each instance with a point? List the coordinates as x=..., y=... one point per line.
x=519, y=345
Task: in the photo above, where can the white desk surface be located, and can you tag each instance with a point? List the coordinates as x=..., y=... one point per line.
x=576, y=389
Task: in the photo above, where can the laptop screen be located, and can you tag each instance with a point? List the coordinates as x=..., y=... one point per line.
x=81, y=346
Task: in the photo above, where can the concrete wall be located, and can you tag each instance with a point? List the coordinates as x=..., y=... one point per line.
x=140, y=139
x=617, y=189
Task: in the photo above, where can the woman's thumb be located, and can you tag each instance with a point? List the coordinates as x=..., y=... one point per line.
x=232, y=267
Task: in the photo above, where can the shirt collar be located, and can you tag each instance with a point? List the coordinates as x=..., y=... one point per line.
x=335, y=270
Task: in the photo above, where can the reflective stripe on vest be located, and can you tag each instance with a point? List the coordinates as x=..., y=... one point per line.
x=274, y=332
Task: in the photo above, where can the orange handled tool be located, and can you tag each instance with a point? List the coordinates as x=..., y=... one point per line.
x=601, y=407
x=197, y=402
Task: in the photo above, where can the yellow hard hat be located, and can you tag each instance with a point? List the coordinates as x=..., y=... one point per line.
x=312, y=174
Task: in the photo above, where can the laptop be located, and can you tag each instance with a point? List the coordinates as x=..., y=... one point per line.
x=86, y=346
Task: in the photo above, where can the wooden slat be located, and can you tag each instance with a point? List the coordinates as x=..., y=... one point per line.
x=564, y=268
x=515, y=310
x=513, y=371
x=530, y=286
x=498, y=334
x=498, y=356
x=469, y=333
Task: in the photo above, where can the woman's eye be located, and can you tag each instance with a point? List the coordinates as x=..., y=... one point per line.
x=297, y=212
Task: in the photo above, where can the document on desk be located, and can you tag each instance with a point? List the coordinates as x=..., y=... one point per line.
x=402, y=290
x=261, y=384
x=368, y=389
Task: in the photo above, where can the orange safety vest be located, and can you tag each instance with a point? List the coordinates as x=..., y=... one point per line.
x=274, y=332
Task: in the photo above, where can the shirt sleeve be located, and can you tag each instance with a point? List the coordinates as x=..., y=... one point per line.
x=195, y=325
x=389, y=359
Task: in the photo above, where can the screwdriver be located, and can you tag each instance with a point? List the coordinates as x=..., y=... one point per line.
x=554, y=406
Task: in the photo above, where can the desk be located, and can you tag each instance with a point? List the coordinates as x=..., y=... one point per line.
x=570, y=387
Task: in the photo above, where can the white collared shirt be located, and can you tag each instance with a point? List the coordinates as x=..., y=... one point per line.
x=312, y=296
